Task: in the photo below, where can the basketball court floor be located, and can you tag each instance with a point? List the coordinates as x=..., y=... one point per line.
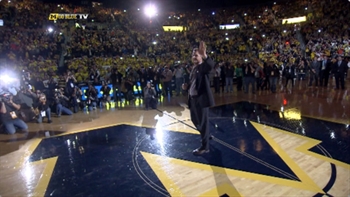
x=285, y=144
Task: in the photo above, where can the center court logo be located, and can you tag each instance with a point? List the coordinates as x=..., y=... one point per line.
x=58, y=16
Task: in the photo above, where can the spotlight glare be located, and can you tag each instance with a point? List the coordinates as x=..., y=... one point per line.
x=150, y=10
x=5, y=78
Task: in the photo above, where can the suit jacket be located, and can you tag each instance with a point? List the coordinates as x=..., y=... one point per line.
x=205, y=96
x=316, y=65
x=342, y=69
x=289, y=71
x=328, y=66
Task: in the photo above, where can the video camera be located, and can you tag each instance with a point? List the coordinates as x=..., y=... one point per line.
x=25, y=76
x=151, y=82
x=5, y=97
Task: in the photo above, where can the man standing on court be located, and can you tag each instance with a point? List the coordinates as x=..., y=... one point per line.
x=200, y=97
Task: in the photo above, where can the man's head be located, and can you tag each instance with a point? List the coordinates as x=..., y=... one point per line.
x=340, y=58
x=196, y=57
x=149, y=84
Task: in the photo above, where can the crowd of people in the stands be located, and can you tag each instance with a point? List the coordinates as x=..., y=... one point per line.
x=126, y=49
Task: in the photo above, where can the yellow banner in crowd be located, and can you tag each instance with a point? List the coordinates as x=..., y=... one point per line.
x=174, y=28
x=294, y=20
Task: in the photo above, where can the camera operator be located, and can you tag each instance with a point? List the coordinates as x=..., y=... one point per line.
x=75, y=99
x=61, y=102
x=94, y=74
x=150, y=96
x=179, y=78
x=27, y=98
x=157, y=77
x=53, y=84
x=71, y=91
x=43, y=108
x=91, y=95
x=25, y=77
x=167, y=76
x=143, y=74
x=116, y=80
x=128, y=89
x=106, y=98
x=70, y=83
x=9, y=115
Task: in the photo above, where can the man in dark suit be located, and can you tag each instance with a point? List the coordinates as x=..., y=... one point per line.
x=339, y=69
x=315, y=71
x=116, y=80
x=200, y=97
x=326, y=66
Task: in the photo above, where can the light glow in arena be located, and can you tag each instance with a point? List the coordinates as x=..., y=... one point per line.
x=150, y=10
x=7, y=77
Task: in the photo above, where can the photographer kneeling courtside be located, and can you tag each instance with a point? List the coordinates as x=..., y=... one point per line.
x=9, y=115
x=150, y=96
x=43, y=109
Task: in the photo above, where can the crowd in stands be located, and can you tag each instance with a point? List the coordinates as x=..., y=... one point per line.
x=127, y=49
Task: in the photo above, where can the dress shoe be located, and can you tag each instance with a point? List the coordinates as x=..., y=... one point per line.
x=200, y=151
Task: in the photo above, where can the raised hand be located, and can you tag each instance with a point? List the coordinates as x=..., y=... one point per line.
x=202, y=50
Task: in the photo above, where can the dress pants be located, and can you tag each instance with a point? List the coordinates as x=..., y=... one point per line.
x=339, y=80
x=239, y=83
x=167, y=88
x=199, y=117
x=324, y=76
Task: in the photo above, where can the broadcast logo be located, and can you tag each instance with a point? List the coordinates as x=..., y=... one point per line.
x=58, y=16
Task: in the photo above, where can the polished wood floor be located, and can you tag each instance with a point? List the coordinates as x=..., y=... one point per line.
x=180, y=177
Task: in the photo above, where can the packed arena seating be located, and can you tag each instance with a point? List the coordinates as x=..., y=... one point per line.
x=56, y=52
